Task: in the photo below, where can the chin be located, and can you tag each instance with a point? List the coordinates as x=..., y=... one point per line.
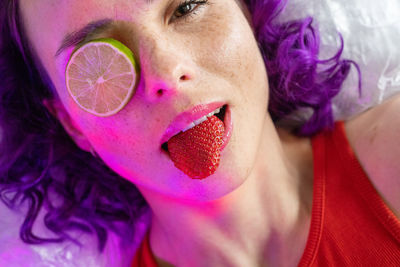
x=223, y=182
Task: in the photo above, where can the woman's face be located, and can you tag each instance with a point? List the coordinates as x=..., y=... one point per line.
x=208, y=55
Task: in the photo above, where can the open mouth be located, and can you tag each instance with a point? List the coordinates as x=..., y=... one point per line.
x=219, y=114
x=165, y=147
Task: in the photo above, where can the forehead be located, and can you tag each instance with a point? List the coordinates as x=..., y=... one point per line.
x=69, y=13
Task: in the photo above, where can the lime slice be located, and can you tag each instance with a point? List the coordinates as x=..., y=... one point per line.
x=101, y=76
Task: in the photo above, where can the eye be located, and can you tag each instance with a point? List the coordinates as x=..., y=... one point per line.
x=188, y=7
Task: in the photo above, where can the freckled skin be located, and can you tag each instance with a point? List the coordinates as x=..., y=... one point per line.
x=214, y=50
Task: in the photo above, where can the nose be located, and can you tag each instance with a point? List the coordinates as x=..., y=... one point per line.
x=165, y=67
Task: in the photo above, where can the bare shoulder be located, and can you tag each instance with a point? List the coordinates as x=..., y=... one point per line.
x=375, y=138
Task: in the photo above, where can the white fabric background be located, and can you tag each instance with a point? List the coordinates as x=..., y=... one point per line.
x=371, y=30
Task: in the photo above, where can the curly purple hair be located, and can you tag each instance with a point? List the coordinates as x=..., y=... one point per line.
x=39, y=162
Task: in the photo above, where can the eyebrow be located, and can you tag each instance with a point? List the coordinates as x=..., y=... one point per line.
x=78, y=36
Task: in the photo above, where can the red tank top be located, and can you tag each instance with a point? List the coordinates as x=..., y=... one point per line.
x=350, y=223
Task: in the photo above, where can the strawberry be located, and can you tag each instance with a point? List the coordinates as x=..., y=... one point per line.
x=196, y=152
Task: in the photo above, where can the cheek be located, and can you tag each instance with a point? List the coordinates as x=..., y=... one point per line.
x=113, y=135
x=220, y=48
x=230, y=52
x=126, y=143
x=119, y=144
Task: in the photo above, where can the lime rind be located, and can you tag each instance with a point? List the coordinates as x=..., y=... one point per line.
x=119, y=48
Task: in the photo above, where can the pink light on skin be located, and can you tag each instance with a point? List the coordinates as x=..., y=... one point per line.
x=210, y=209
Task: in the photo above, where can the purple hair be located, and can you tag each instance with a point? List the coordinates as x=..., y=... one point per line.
x=297, y=77
x=40, y=163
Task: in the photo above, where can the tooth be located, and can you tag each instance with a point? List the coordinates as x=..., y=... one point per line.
x=191, y=125
x=197, y=122
x=213, y=112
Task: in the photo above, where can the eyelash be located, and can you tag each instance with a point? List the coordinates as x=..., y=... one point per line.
x=193, y=11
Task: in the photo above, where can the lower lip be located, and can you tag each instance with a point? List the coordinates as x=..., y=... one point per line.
x=228, y=127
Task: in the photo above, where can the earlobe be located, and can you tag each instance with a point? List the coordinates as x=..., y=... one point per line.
x=57, y=109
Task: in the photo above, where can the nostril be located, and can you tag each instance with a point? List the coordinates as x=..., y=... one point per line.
x=184, y=78
x=159, y=92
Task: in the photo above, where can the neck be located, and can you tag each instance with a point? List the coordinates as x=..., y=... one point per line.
x=264, y=221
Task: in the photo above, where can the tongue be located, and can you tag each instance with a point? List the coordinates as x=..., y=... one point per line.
x=196, y=151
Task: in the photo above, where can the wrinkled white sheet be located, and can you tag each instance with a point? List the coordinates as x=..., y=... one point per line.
x=371, y=30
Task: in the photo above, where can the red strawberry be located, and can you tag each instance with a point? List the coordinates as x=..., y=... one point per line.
x=196, y=151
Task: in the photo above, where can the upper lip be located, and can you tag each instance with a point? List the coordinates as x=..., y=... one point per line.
x=185, y=118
